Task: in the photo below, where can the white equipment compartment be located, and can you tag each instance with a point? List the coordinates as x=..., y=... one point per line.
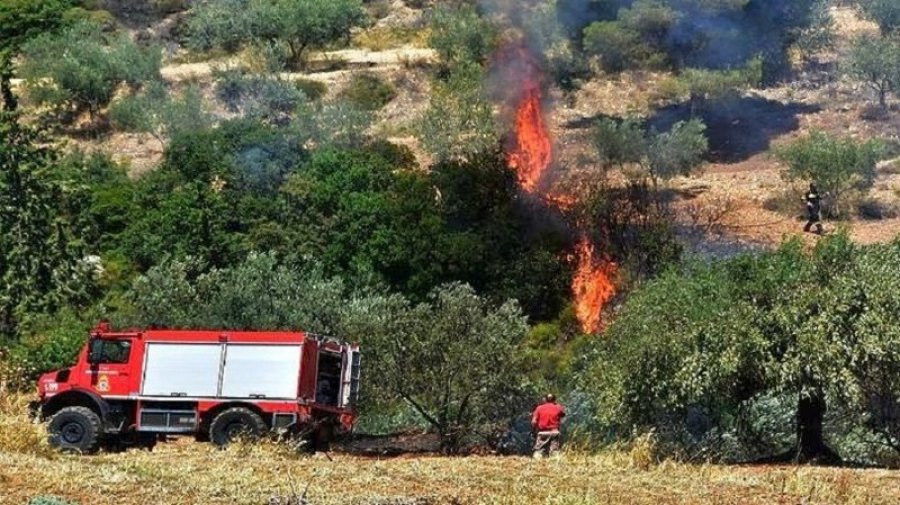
x=182, y=369
x=261, y=371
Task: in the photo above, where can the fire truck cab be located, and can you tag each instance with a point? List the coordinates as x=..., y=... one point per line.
x=137, y=386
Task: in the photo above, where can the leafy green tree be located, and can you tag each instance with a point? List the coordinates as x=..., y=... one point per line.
x=658, y=156
x=876, y=62
x=21, y=20
x=837, y=165
x=288, y=26
x=155, y=111
x=185, y=207
x=886, y=13
x=461, y=36
x=705, y=86
x=712, y=34
x=464, y=384
x=41, y=250
x=80, y=67
x=704, y=354
x=459, y=122
x=365, y=211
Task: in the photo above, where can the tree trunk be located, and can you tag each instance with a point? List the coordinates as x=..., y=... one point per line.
x=10, y=103
x=811, y=446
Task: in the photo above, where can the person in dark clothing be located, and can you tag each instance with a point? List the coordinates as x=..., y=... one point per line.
x=813, y=209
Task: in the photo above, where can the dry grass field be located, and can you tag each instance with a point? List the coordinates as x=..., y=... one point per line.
x=193, y=473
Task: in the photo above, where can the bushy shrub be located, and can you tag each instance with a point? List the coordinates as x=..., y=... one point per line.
x=368, y=91
x=461, y=37
x=260, y=97
x=313, y=90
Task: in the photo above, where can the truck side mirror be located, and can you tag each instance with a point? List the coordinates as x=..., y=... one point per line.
x=95, y=351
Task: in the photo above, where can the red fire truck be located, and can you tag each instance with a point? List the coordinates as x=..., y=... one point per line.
x=135, y=387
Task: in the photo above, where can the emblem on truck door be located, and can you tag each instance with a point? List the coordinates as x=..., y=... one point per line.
x=103, y=383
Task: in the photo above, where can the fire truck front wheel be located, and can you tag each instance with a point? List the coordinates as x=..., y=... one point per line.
x=234, y=423
x=75, y=429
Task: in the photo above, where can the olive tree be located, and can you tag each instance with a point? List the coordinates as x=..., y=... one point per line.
x=455, y=361
x=285, y=29
x=875, y=61
x=837, y=165
x=80, y=68
x=157, y=112
x=660, y=156
x=707, y=355
x=886, y=13
x=20, y=20
x=459, y=122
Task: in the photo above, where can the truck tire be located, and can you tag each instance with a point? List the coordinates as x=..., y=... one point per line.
x=233, y=423
x=75, y=429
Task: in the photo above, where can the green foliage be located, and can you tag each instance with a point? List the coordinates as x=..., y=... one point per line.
x=259, y=97
x=368, y=91
x=704, y=86
x=837, y=165
x=886, y=13
x=49, y=342
x=41, y=251
x=461, y=36
x=635, y=39
x=703, y=353
x=678, y=151
x=659, y=156
x=715, y=34
x=154, y=110
x=459, y=122
x=313, y=90
x=820, y=35
x=876, y=62
x=464, y=385
x=21, y=20
x=286, y=29
x=80, y=68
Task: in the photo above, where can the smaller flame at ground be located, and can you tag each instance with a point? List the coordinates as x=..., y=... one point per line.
x=592, y=286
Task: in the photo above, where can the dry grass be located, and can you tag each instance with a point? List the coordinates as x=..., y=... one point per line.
x=186, y=472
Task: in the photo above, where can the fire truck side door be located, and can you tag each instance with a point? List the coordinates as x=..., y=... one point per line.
x=110, y=366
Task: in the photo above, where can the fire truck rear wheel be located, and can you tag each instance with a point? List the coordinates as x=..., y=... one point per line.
x=75, y=429
x=234, y=423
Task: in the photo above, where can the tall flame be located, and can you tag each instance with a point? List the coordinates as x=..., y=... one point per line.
x=530, y=156
x=532, y=153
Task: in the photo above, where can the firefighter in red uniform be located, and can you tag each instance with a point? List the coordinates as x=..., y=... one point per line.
x=545, y=422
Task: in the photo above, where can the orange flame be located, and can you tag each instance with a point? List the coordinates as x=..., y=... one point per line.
x=530, y=156
x=592, y=286
x=533, y=151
